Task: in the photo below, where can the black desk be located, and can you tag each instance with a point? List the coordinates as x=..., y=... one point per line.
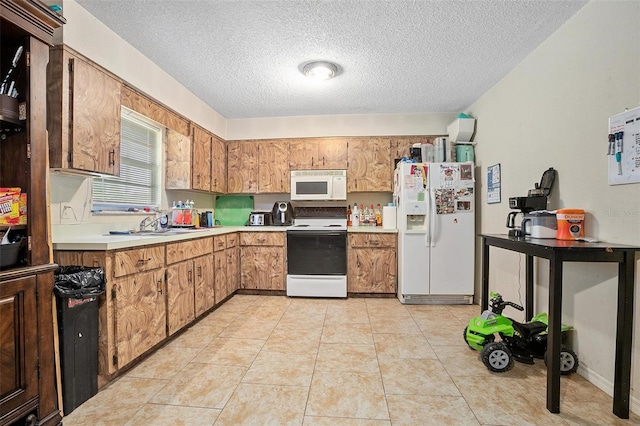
x=558, y=252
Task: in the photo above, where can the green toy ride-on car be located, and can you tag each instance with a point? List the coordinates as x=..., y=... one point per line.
x=520, y=341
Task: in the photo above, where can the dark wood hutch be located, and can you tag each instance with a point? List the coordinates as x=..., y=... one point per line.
x=27, y=379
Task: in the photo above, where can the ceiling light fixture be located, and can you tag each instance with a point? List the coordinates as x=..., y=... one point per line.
x=320, y=70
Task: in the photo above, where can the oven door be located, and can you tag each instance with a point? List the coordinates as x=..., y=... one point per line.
x=317, y=252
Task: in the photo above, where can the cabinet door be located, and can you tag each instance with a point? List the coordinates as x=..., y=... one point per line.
x=371, y=270
x=18, y=343
x=204, y=284
x=262, y=268
x=178, y=163
x=140, y=314
x=369, y=167
x=218, y=165
x=220, y=275
x=242, y=167
x=273, y=173
x=332, y=154
x=233, y=269
x=95, y=105
x=201, y=160
x=303, y=154
x=180, y=296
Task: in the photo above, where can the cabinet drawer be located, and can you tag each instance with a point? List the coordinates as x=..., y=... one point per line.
x=372, y=240
x=262, y=238
x=183, y=250
x=232, y=240
x=219, y=242
x=138, y=260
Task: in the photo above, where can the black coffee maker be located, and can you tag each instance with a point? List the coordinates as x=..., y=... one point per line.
x=536, y=199
x=282, y=213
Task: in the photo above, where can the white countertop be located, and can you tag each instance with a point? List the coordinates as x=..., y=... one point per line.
x=102, y=242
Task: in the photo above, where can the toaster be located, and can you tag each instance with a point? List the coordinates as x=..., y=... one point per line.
x=259, y=219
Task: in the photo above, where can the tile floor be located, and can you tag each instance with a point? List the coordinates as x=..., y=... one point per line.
x=263, y=360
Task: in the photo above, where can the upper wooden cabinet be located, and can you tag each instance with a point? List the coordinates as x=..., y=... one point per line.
x=178, y=160
x=218, y=165
x=83, y=103
x=140, y=103
x=370, y=168
x=201, y=159
x=242, y=165
x=273, y=173
x=324, y=153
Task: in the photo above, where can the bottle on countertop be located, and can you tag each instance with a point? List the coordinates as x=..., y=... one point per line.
x=372, y=216
x=378, y=215
x=349, y=212
x=363, y=215
x=355, y=216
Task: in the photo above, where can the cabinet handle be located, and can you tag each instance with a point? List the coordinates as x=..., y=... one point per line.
x=323, y=161
x=374, y=243
x=199, y=271
x=311, y=161
x=112, y=157
x=190, y=275
x=143, y=261
x=159, y=283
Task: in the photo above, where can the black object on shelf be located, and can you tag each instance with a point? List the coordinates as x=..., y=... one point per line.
x=77, y=290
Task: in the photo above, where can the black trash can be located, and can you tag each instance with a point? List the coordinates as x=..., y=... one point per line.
x=77, y=290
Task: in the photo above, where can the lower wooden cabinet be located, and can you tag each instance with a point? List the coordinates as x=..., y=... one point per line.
x=233, y=263
x=180, y=295
x=371, y=263
x=140, y=311
x=262, y=260
x=19, y=348
x=203, y=284
x=191, y=276
x=226, y=265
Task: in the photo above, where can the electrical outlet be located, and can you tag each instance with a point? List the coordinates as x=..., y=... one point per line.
x=67, y=214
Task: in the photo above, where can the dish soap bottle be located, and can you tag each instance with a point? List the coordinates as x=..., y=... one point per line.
x=355, y=216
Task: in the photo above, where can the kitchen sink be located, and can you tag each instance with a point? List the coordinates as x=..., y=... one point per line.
x=152, y=233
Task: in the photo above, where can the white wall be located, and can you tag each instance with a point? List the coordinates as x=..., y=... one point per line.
x=552, y=111
x=90, y=37
x=340, y=125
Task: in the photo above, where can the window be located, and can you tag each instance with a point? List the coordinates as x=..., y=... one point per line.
x=139, y=183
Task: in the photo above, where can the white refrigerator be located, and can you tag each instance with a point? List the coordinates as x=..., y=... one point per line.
x=436, y=232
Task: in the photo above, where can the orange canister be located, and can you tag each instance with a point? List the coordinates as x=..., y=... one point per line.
x=570, y=224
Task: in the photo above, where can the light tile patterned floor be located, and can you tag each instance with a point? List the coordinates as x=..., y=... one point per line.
x=264, y=360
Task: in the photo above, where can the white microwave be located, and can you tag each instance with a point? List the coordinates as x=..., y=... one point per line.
x=318, y=185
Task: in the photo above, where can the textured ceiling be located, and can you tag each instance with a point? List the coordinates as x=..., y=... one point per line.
x=243, y=57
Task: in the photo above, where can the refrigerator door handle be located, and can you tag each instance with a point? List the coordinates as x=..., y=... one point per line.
x=427, y=234
x=432, y=218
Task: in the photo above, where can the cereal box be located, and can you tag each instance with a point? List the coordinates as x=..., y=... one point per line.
x=9, y=206
x=23, y=209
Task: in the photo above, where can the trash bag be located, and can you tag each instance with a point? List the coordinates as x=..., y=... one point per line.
x=79, y=281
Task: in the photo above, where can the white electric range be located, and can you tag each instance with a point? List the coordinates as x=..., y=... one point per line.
x=317, y=253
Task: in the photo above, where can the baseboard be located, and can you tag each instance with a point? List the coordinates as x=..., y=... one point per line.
x=607, y=387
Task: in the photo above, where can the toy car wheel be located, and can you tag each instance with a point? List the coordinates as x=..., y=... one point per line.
x=568, y=361
x=497, y=357
x=464, y=336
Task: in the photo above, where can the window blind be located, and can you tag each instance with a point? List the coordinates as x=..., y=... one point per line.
x=139, y=182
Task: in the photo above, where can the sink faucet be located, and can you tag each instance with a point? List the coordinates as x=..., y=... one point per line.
x=147, y=221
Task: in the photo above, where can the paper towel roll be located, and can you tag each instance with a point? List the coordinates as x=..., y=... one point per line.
x=389, y=217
